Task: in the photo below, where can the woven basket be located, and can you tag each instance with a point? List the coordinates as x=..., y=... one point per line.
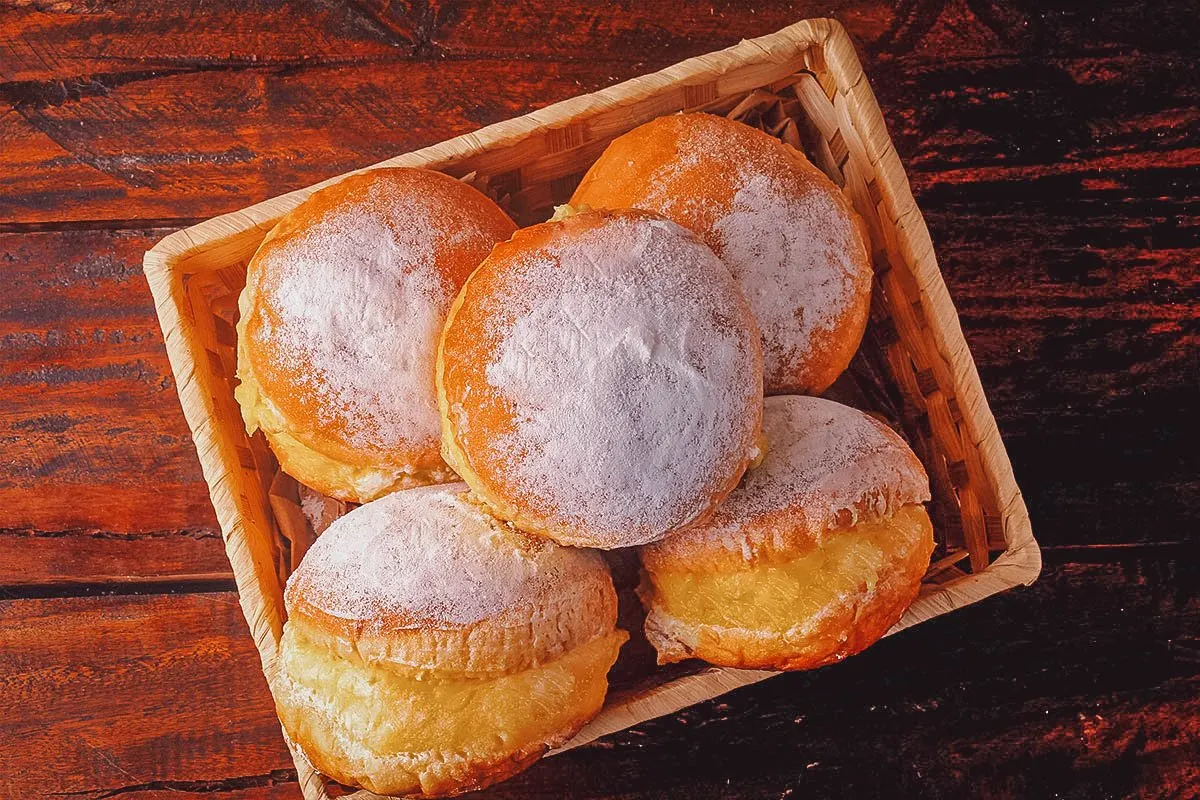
x=803, y=84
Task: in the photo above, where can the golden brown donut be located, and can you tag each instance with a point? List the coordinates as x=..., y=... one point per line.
x=787, y=233
x=600, y=380
x=813, y=558
x=340, y=317
x=431, y=650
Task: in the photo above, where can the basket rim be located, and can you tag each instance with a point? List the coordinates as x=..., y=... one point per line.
x=165, y=264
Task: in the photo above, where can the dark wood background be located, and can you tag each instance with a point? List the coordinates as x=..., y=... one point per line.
x=1054, y=150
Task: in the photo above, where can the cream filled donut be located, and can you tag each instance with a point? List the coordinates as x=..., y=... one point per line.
x=340, y=317
x=787, y=233
x=813, y=558
x=600, y=380
x=431, y=650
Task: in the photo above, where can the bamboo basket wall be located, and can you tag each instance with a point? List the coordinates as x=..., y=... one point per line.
x=803, y=84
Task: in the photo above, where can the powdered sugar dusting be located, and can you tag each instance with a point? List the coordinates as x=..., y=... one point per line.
x=429, y=556
x=826, y=463
x=360, y=305
x=793, y=248
x=634, y=383
x=792, y=255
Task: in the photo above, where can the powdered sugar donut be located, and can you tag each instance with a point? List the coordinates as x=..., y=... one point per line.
x=811, y=559
x=600, y=380
x=340, y=317
x=431, y=650
x=786, y=232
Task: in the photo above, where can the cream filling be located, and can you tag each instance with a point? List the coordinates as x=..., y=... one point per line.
x=785, y=597
x=382, y=711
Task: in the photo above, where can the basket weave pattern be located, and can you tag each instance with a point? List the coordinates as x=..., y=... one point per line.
x=804, y=85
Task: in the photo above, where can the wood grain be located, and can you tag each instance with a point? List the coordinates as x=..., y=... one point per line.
x=641, y=32
x=76, y=559
x=125, y=691
x=156, y=143
x=273, y=786
x=162, y=146
x=279, y=785
x=90, y=418
x=56, y=53
x=66, y=49
x=100, y=481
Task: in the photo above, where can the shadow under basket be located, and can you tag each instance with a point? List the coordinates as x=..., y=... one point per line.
x=804, y=85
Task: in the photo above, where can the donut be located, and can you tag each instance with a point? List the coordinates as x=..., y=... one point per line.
x=787, y=233
x=812, y=559
x=431, y=650
x=599, y=380
x=340, y=318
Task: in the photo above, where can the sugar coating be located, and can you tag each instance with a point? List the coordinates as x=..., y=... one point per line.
x=827, y=466
x=791, y=254
x=793, y=248
x=359, y=304
x=428, y=556
x=633, y=382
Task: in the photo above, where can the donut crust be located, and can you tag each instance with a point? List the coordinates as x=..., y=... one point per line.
x=317, y=442
x=404, y=700
x=691, y=168
x=845, y=622
x=812, y=559
x=538, y=709
x=464, y=395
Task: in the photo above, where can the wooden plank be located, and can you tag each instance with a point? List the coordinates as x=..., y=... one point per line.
x=89, y=558
x=100, y=480
x=102, y=693
x=90, y=428
x=545, y=29
x=59, y=50
x=1087, y=681
x=279, y=785
x=198, y=144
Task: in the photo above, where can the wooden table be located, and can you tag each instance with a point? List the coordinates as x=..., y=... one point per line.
x=1055, y=156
